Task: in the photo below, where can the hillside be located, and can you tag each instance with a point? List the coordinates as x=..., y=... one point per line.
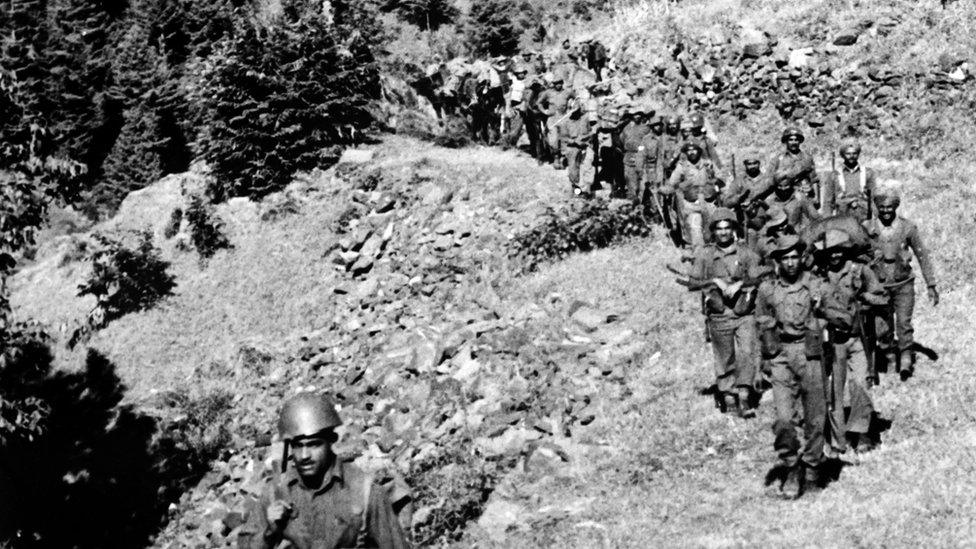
x=561, y=406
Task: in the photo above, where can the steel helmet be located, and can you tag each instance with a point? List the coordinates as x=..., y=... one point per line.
x=307, y=414
x=791, y=132
x=722, y=214
x=696, y=120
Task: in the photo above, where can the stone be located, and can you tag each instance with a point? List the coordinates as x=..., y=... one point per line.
x=385, y=203
x=801, y=57
x=356, y=156
x=847, y=37
x=591, y=318
x=498, y=517
x=435, y=195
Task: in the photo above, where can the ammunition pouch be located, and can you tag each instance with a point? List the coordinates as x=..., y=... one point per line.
x=769, y=343
x=813, y=343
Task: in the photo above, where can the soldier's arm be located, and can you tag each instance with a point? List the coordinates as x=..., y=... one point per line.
x=382, y=524
x=253, y=535
x=828, y=195
x=677, y=176
x=914, y=242
x=874, y=292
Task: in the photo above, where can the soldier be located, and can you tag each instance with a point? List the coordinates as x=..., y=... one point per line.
x=553, y=105
x=596, y=58
x=850, y=288
x=790, y=336
x=800, y=212
x=671, y=144
x=796, y=163
x=745, y=195
x=694, y=186
x=732, y=270
x=895, y=239
x=848, y=190
x=776, y=224
x=533, y=119
x=610, y=156
x=695, y=132
x=630, y=136
x=323, y=502
x=649, y=166
x=576, y=138
x=515, y=108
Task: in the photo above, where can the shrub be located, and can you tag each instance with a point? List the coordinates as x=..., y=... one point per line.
x=206, y=229
x=583, y=226
x=124, y=279
x=277, y=98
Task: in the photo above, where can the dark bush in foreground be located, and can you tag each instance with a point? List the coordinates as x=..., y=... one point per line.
x=581, y=227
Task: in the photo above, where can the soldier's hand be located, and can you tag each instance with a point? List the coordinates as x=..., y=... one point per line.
x=933, y=295
x=278, y=513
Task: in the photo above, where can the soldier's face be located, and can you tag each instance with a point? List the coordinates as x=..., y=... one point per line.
x=886, y=212
x=793, y=143
x=784, y=187
x=673, y=129
x=789, y=264
x=723, y=233
x=558, y=86
x=312, y=456
x=752, y=167
x=693, y=154
x=850, y=156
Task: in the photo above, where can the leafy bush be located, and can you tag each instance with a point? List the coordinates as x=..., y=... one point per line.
x=581, y=227
x=277, y=99
x=206, y=229
x=124, y=279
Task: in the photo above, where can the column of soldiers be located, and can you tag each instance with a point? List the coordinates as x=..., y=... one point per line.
x=807, y=289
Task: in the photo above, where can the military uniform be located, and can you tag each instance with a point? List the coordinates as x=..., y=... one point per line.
x=670, y=153
x=553, y=105
x=695, y=192
x=630, y=137
x=331, y=516
x=894, y=246
x=745, y=195
x=785, y=311
x=575, y=138
x=800, y=167
x=846, y=291
x=731, y=323
x=848, y=192
x=800, y=212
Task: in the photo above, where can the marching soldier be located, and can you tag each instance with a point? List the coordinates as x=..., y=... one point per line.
x=849, y=189
x=630, y=137
x=895, y=240
x=730, y=268
x=553, y=104
x=745, y=195
x=790, y=338
x=800, y=212
x=849, y=289
x=695, y=132
x=694, y=186
x=576, y=138
x=671, y=144
x=797, y=164
x=321, y=502
x=649, y=166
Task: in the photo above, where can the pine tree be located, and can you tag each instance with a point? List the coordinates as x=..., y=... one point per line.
x=493, y=27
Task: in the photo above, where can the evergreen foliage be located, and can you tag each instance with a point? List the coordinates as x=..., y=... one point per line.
x=281, y=98
x=206, y=229
x=426, y=14
x=494, y=27
x=126, y=279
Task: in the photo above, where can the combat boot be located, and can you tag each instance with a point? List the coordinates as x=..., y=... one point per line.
x=812, y=480
x=906, y=365
x=746, y=411
x=793, y=483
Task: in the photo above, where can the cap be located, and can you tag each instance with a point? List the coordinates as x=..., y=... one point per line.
x=785, y=244
x=792, y=131
x=833, y=238
x=307, y=414
x=722, y=214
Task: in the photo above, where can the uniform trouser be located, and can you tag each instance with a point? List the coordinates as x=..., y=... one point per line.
x=611, y=170
x=515, y=122
x=798, y=386
x=897, y=319
x=693, y=216
x=632, y=177
x=531, y=132
x=574, y=159
x=553, y=136
x=734, y=344
x=850, y=372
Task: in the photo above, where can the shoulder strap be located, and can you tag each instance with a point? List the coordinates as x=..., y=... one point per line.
x=364, y=520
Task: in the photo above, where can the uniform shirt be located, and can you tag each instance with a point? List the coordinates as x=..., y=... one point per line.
x=894, y=246
x=649, y=157
x=553, y=102
x=707, y=147
x=631, y=136
x=796, y=164
x=575, y=132
x=328, y=517
x=745, y=187
x=731, y=264
x=790, y=307
x=517, y=90
x=799, y=210
x=847, y=192
x=846, y=289
x=692, y=180
x=670, y=152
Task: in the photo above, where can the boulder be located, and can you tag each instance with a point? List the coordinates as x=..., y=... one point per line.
x=847, y=37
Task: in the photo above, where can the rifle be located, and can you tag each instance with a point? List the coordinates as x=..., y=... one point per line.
x=739, y=210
